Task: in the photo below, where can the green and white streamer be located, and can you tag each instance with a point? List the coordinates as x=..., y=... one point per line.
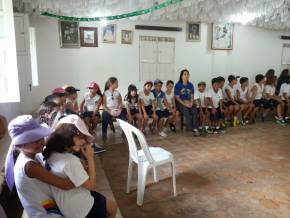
x=115, y=17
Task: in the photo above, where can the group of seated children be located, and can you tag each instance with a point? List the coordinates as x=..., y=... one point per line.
x=205, y=110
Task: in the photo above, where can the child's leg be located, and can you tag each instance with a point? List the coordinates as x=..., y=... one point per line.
x=139, y=119
x=106, y=120
x=111, y=208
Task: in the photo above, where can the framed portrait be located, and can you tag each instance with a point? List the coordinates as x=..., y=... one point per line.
x=89, y=36
x=127, y=37
x=222, y=36
x=109, y=33
x=69, y=34
x=192, y=32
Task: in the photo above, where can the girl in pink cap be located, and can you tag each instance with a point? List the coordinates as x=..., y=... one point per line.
x=90, y=106
x=30, y=178
x=72, y=136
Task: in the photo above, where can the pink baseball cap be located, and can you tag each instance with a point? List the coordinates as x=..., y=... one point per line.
x=148, y=82
x=58, y=90
x=79, y=123
x=93, y=85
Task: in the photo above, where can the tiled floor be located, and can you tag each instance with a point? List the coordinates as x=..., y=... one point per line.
x=243, y=173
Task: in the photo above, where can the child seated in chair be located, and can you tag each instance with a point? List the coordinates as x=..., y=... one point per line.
x=112, y=103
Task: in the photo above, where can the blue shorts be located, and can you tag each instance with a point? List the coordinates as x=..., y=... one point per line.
x=204, y=110
x=228, y=103
x=99, y=208
x=163, y=114
x=149, y=110
x=218, y=115
x=267, y=104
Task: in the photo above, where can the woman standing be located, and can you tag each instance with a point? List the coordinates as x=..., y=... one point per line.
x=184, y=95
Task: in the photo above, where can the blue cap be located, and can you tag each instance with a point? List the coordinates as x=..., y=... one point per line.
x=157, y=81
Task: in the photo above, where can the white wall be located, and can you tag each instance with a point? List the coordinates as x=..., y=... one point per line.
x=255, y=50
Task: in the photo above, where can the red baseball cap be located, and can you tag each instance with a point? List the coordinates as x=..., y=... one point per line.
x=58, y=90
x=93, y=85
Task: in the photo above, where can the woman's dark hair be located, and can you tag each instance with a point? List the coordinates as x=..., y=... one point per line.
x=45, y=108
x=61, y=139
x=181, y=74
x=271, y=80
x=169, y=82
x=270, y=73
x=284, y=76
x=111, y=80
x=243, y=80
x=259, y=77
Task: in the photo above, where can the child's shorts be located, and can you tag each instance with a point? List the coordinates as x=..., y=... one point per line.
x=149, y=110
x=218, y=115
x=132, y=111
x=228, y=103
x=99, y=208
x=163, y=114
x=263, y=103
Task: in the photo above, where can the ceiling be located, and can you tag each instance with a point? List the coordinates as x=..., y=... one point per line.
x=271, y=14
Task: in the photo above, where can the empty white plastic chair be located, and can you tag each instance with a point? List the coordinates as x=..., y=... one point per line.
x=146, y=158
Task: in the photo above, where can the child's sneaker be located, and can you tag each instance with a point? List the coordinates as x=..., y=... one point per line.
x=196, y=132
x=163, y=134
x=172, y=127
x=209, y=130
x=281, y=122
x=235, y=122
x=98, y=149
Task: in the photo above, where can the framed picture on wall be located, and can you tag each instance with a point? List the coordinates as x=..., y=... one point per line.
x=222, y=36
x=109, y=33
x=127, y=37
x=89, y=36
x=69, y=34
x=192, y=32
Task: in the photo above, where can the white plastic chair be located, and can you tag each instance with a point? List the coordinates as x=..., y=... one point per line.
x=146, y=158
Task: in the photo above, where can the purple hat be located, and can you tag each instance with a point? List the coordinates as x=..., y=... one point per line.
x=22, y=130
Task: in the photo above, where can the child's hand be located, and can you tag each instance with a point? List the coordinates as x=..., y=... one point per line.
x=146, y=117
x=87, y=151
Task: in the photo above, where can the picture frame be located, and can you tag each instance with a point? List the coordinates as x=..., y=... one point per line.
x=222, y=36
x=192, y=32
x=127, y=36
x=69, y=34
x=109, y=33
x=89, y=36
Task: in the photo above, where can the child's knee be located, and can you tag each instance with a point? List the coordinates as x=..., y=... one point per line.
x=111, y=207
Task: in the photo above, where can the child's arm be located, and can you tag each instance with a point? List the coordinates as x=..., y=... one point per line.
x=82, y=105
x=254, y=93
x=120, y=103
x=166, y=103
x=143, y=108
x=213, y=110
x=98, y=104
x=91, y=183
x=229, y=95
x=36, y=171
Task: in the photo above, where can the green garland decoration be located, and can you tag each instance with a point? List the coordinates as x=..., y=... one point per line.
x=115, y=17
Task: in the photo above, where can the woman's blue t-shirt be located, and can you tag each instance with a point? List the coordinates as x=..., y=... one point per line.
x=184, y=91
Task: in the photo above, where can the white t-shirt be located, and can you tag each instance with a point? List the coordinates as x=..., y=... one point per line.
x=269, y=89
x=147, y=99
x=243, y=93
x=232, y=90
x=35, y=196
x=202, y=96
x=216, y=97
x=90, y=102
x=77, y=202
x=170, y=98
x=260, y=89
x=285, y=88
x=112, y=99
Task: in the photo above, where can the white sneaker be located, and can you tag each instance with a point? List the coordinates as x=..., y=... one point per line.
x=165, y=129
x=163, y=134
